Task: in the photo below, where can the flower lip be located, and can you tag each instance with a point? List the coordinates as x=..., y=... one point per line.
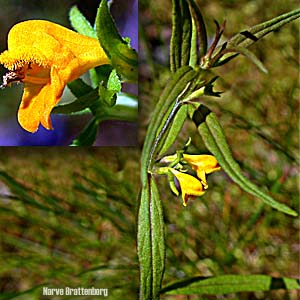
x=203, y=164
x=190, y=186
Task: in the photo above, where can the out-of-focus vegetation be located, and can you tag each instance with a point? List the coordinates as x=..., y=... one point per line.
x=67, y=219
x=228, y=231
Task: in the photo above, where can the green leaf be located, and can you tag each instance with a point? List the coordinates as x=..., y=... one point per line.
x=88, y=135
x=193, y=53
x=200, y=25
x=79, y=88
x=80, y=23
x=251, y=56
x=176, y=85
x=258, y=31
x=114, y=83
x=174, y=129
x=226, y=284
x=180, y=46
x=246, y=38
x=108, y=94
x=151, y=243
x=169, y=129
x=215, y=141
x=123, y=58
x=78, y=105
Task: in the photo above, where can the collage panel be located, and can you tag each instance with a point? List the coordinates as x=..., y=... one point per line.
x=67, y=223
x=219, y=95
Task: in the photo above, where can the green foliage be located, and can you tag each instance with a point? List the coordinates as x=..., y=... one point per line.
x=80, y=23
x=151, y=248
x=181, y=36
x=123, y=57
x=88, y=134
x=191, y=79
x=71, y=221
x=214, y=139
x=227, y=284
x=100, y=98
x=108, y=94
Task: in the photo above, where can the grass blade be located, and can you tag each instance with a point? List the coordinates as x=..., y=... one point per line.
x=226, y=284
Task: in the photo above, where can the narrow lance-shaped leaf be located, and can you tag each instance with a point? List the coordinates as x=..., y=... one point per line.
x=123, y=58
x=175, y=117
x=251, y=56
x=80, y=23
x=247, y=37
x=215, y=141
x=151, y=244
x=193, y=53
x=181, y=35
x=226, y=284
x=260, y=30
x=170, y=105
x=175, y=128
x=200, y=25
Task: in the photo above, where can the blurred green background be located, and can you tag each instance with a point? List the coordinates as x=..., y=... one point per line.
x=228, y=231
x=67, y=219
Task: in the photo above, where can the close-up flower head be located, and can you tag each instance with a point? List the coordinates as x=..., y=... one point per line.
x=77, y=75
x=45, y=57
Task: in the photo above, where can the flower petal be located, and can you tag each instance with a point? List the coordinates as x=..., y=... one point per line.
x=46, y=56
x=38, y=101
x=202, y=164
x=207, y=163
x=189, y=185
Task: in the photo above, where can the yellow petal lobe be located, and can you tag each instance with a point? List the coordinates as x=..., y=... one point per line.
x=189, y=185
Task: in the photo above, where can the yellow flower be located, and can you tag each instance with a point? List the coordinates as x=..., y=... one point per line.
x=202, y=164
x=46, y=56
x=189, y=185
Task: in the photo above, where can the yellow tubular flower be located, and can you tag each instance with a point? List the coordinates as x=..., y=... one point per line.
x=189, y=185
x=202, y=164
x=46, y=56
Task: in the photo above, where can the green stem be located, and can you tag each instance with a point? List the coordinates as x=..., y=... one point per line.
x=121, y=113
x=159, y=139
